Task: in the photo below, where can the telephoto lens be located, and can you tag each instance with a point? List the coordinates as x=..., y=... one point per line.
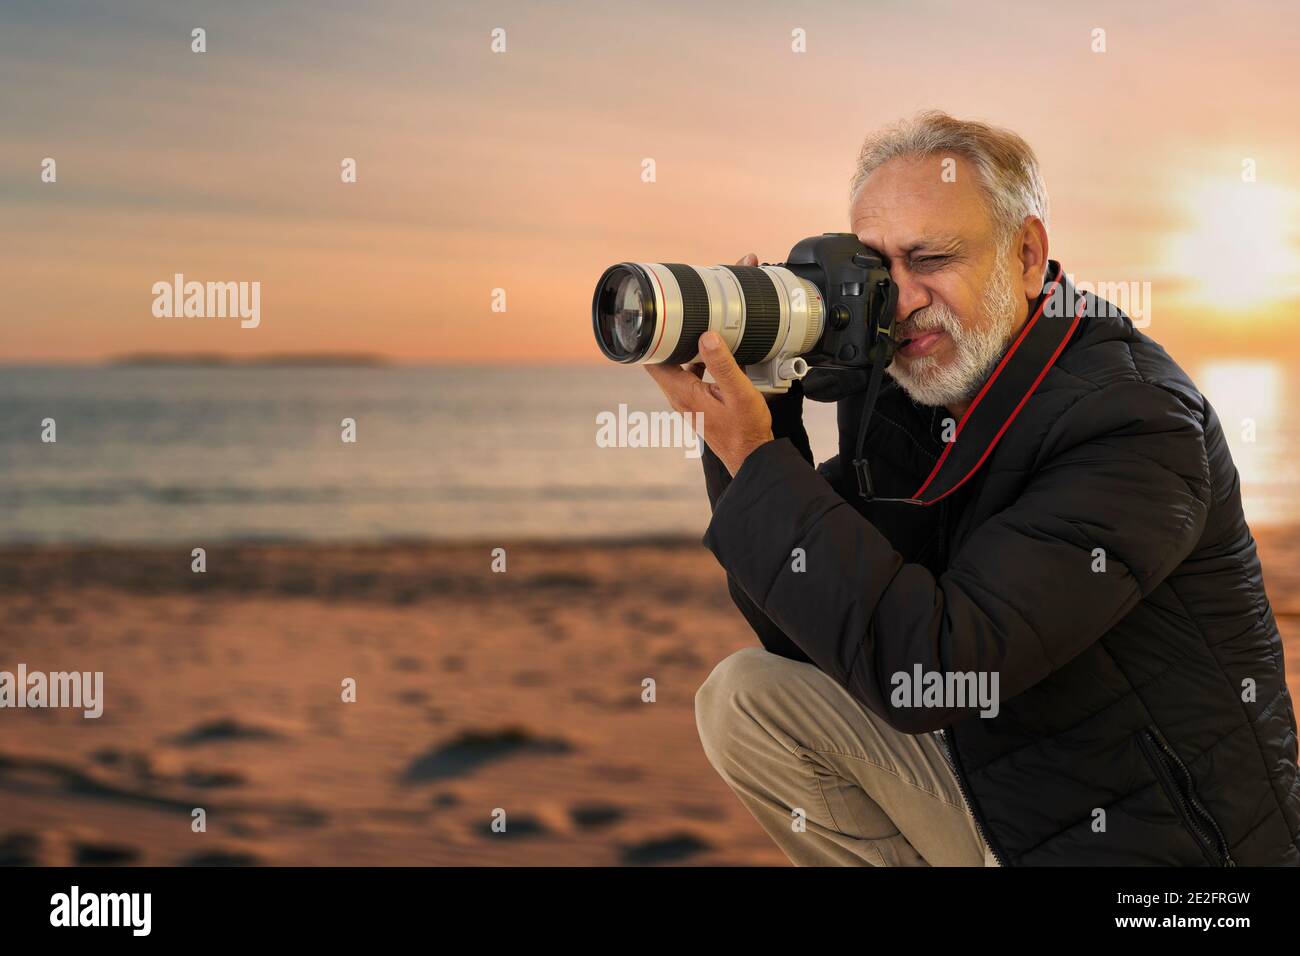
x=655, y=312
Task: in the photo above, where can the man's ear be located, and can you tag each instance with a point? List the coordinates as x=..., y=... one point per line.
x=1031, y=255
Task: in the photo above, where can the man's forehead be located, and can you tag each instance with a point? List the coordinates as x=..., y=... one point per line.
x=906, y=203
x=904, y=234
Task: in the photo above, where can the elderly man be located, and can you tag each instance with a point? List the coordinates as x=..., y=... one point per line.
x=1055, y=509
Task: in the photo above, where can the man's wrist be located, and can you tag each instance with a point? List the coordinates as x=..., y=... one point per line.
x=738, y=461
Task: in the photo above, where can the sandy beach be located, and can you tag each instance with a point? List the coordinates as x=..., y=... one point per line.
x=476, y=692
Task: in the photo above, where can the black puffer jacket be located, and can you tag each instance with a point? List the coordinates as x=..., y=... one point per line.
x=1083, y=537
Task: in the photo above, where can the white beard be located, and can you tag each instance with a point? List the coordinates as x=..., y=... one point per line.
x=978, y=349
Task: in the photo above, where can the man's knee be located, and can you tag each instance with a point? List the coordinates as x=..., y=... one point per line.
x=734, y=691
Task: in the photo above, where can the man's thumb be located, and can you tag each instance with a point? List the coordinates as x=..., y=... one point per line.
x=719, y=361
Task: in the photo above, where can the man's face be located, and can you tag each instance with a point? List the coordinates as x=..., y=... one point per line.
x=960, y=297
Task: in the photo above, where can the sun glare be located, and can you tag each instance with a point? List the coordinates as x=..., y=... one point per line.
x=1240, y=252
x=1250, y=397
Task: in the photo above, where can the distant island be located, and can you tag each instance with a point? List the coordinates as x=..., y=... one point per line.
x=297, y=359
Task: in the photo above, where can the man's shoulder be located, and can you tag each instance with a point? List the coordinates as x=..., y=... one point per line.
x=1116, y=392
x=1108, y=354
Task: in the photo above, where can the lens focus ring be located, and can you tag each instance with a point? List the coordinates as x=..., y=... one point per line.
x=695, y=311
x=762, y=314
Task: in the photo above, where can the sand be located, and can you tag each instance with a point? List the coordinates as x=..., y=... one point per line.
x=476, y=693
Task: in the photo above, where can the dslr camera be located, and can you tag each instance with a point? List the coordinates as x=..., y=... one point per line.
x=830, y=304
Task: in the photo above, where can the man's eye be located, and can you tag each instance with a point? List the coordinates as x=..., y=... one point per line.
x=930, y=262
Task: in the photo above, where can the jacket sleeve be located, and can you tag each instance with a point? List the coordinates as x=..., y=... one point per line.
x=1121, y=477
x=787, y=423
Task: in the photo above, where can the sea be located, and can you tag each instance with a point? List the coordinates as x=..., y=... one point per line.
x=196, y=455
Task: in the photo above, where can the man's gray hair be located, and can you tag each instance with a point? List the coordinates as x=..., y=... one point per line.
x=1012, y=185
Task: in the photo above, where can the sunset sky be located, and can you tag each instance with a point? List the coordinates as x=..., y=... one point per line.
x=522, y=170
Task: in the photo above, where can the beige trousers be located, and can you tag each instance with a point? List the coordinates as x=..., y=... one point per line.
x=829, y=781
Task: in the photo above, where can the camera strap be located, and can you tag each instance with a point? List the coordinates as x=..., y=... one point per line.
x=882, y=353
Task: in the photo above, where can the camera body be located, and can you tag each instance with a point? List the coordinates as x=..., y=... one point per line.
x=858, y=305
x=830, y=304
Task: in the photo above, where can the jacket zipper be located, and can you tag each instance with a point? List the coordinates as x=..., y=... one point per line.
x=1193, y=811
x=966, y=798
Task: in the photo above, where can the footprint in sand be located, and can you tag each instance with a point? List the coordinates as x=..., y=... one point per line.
x=474, y=748
x=666, y=849
x=517, y=825
x=21, y=849
x=103, y=854
x=591, y=816
x=223, y=730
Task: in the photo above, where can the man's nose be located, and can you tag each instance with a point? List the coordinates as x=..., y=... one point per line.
x=911, y=295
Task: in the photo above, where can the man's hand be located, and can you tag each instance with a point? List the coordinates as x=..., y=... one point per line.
x=736, y=419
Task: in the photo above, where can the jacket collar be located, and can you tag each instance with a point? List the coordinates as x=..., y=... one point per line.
x=1053, y=319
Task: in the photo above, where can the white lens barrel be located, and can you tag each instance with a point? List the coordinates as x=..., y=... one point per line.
x=798, y=322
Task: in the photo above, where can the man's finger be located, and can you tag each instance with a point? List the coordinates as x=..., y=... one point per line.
x=684, y=391
x=698, y=369
x=722, y=364
x=668, y=376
